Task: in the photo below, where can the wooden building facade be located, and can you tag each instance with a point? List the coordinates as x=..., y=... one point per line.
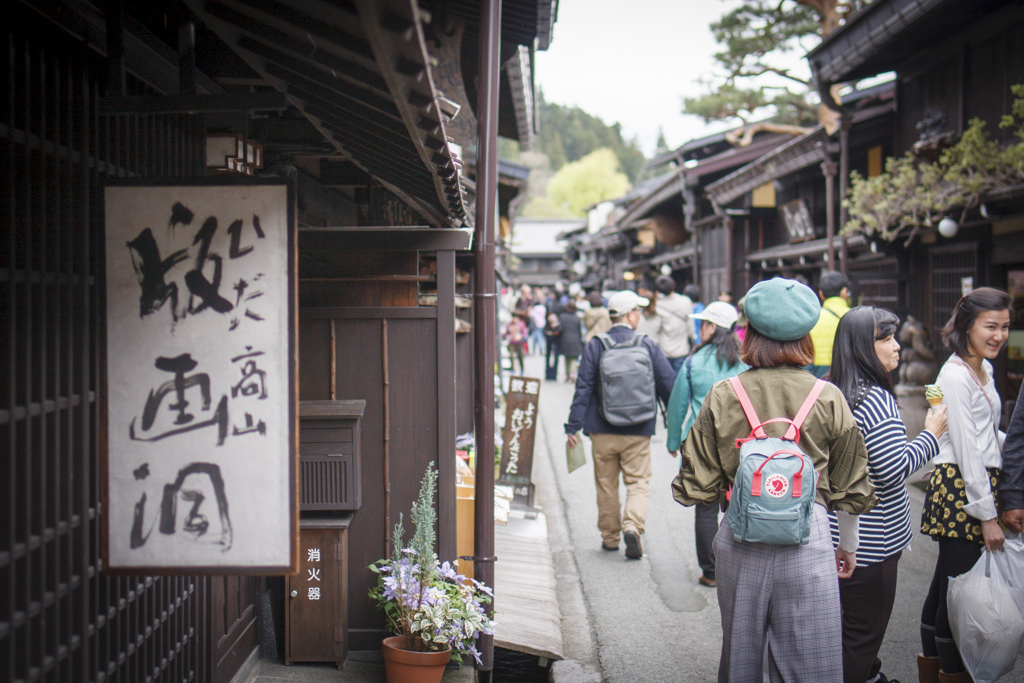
x=348, y=101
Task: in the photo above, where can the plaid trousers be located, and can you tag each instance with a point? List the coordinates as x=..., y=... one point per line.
x=785, y=598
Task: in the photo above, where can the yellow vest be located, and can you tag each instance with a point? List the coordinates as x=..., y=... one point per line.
x=824, y=333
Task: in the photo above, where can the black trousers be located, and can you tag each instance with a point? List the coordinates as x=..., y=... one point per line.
x=705, y=526
x=867, y=598
x=552, y=352
x=956, y=557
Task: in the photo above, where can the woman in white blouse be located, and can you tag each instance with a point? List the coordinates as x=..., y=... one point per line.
x=960, y=509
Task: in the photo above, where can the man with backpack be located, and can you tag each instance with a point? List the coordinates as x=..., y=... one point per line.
x=621, y=377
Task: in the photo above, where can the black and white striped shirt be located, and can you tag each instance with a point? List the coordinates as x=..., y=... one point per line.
x=886, y=529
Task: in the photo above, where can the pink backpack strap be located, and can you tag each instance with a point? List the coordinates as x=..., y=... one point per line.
x=793, y=433
x=748, y=407
x=748, y=410
x=757, y=431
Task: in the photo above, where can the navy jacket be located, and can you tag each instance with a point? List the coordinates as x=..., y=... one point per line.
x=585, y=413
x=1011, y=481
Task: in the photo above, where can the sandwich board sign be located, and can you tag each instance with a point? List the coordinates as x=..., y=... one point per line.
x=516, y=468
x=199, y=455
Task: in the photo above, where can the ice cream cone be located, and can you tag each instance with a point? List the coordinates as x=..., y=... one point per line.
x=937, y=401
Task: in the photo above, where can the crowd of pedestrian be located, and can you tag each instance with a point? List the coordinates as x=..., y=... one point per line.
x=817, y=514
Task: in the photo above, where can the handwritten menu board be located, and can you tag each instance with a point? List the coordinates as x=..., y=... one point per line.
x=199, y=473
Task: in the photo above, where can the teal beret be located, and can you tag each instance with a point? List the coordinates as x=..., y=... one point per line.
x=780, y=309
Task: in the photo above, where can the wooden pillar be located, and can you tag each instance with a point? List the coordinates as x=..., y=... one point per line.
x=828, y=168
x=844, y=183
x=485, y=304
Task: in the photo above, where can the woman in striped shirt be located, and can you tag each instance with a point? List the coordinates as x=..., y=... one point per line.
x=865, y=351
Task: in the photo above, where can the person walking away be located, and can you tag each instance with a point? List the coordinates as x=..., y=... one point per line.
x=571, y=340
x=650, y=321
x=582, y=303
x=781, y=597
x=515, y=337
x=619, y=418
x=834, y=290
x=959, y=509
x=596, y=318
x=525, y=300
x=538, y=320
x=676, y=326
x=717, y=358
x=552, y=339
x=692, y=292
x=864, y=353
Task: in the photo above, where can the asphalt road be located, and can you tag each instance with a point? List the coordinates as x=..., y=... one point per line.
x=649, y=620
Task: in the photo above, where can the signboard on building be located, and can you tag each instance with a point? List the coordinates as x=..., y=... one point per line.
x=798, y=220
x=516, y=469
x=200, y=459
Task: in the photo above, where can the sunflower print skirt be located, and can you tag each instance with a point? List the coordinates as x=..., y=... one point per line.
x=943, y=513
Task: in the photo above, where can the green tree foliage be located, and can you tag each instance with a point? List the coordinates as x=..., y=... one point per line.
x=579, y=184
x=911, y=194
x=753, y=36
x=568, y=134
x=751, y=76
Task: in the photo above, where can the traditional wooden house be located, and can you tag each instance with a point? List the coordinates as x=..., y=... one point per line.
x=362, y=105
x=785, y=204
x=667, y=223
x=954, y=60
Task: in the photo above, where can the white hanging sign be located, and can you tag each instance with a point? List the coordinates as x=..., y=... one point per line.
x=200, y=465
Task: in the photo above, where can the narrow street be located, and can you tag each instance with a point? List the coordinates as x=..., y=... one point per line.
x=649, y=620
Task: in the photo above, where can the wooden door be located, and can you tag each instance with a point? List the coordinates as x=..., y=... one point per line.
x=317, y=599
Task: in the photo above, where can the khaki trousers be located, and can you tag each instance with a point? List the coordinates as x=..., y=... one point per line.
x=630, y=455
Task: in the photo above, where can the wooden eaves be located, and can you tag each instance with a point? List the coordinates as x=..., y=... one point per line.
x=363, y=79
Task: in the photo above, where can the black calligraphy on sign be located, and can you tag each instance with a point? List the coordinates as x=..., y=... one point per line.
x=185, y=420
x=203, y=285
x=208, y=291
x=151, y=271
x=192, y=486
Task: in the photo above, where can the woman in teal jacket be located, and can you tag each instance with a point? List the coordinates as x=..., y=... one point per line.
x=717, y=358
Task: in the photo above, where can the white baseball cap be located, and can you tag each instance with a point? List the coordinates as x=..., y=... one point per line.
x=625, y=301
x=719, y=313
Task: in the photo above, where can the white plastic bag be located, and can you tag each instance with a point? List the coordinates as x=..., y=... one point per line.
x=986, y=614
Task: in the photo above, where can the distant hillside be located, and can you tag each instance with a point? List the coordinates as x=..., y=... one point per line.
x=569, y=134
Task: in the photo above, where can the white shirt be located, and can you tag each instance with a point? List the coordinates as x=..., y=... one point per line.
x=539, y=315
x=674, y=311
x=971, y=442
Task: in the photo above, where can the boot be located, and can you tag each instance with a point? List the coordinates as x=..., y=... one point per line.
x=927, y=669
x=962, y=677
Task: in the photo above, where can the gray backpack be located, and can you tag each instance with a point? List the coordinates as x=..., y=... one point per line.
x=627, y=381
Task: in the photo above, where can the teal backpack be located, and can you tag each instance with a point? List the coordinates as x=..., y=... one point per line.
x=772, y=497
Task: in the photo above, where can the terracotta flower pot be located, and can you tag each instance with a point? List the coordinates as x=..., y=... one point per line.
x=408, y=666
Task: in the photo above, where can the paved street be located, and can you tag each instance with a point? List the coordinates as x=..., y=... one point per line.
x=650, y=620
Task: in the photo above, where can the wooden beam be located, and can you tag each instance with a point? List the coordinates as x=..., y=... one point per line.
x=194, y=104
x=419, y=239
x=342, y=172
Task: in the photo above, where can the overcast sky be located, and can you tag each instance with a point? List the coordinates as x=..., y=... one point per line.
x=632, y=62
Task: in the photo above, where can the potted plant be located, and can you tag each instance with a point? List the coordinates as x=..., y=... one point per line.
x=435, y=613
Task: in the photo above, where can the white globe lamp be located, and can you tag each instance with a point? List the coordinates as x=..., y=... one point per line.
x=948, y=227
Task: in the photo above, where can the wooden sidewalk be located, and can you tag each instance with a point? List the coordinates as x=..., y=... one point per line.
x=526, y=601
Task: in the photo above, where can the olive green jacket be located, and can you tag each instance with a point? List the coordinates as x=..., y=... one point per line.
x=829, y=436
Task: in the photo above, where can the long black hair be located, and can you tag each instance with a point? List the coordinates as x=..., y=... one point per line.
x=855, y=364
x=726, y=343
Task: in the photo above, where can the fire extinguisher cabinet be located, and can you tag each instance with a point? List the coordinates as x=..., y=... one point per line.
x=316, y=623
